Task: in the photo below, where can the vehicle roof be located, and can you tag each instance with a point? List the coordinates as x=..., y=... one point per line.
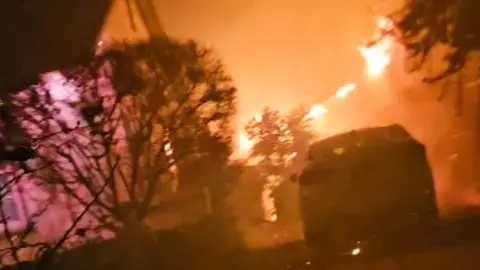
x=366, y=139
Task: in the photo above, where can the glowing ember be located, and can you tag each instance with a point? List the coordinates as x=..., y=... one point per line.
x=343, y=91
x=377, y=55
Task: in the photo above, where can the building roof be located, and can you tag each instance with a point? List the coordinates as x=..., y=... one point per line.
x=57, y=35
x=41, y=36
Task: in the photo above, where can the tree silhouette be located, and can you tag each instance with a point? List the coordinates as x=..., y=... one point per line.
x=182, y=112
x=272, y=141
x=302, y=135
x=279, y=139
x=280, y=145
x=425, y=24
x=108, y=134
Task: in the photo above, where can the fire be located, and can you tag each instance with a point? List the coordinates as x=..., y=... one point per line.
x=377, y=54
x=268, y=201
x=244, y=144
x=316, y=111
x=343, y=91
x=377, y=57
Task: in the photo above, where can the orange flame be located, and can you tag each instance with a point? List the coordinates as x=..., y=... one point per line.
x=316, y=111
x=345, y=90
x=244, y=145
x=377, y=55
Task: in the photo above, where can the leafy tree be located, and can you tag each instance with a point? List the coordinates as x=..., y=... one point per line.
x=302, y=135
x=424, y=24
x=215, y=175
x=286, y=193
x=272, y=141
x=279, y=139
x=180, y=116
x=280, y=144
x=432, y=29
x=185, y=105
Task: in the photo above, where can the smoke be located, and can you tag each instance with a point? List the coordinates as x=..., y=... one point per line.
x=281, y=53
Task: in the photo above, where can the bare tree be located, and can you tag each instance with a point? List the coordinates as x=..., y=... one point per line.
x=106, y=136
x=43, y=142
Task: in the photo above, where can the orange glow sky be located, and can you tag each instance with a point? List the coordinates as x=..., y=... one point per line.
x=280, y=52
x=283, y=52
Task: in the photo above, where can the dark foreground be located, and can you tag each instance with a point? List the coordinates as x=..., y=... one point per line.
x=208, y=246
x=296, y=257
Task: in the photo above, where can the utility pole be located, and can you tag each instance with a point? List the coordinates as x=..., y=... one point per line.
x=150, y=18
x=477, y=126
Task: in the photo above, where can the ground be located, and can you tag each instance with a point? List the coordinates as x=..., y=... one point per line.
x=295, y=257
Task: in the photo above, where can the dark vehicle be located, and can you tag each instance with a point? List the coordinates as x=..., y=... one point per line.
x=367, y=193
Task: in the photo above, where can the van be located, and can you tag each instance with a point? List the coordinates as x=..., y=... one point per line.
x=368, y=192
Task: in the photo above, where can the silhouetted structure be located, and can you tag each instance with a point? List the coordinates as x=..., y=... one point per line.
x=365, y=190
x=40, y=36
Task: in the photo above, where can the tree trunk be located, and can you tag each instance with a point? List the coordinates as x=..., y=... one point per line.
x=476, y=143
x=137, y=246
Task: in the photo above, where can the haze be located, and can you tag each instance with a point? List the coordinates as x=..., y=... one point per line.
x=283, y=53
x=280, y=53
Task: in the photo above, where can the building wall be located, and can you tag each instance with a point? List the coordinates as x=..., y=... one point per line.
x=45, y=205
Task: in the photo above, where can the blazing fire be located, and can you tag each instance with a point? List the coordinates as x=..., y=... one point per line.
x=316, y=111
x=343, y=91
x=244, y=144
x=377, y=53
x=270, y=212
x=377, y=57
